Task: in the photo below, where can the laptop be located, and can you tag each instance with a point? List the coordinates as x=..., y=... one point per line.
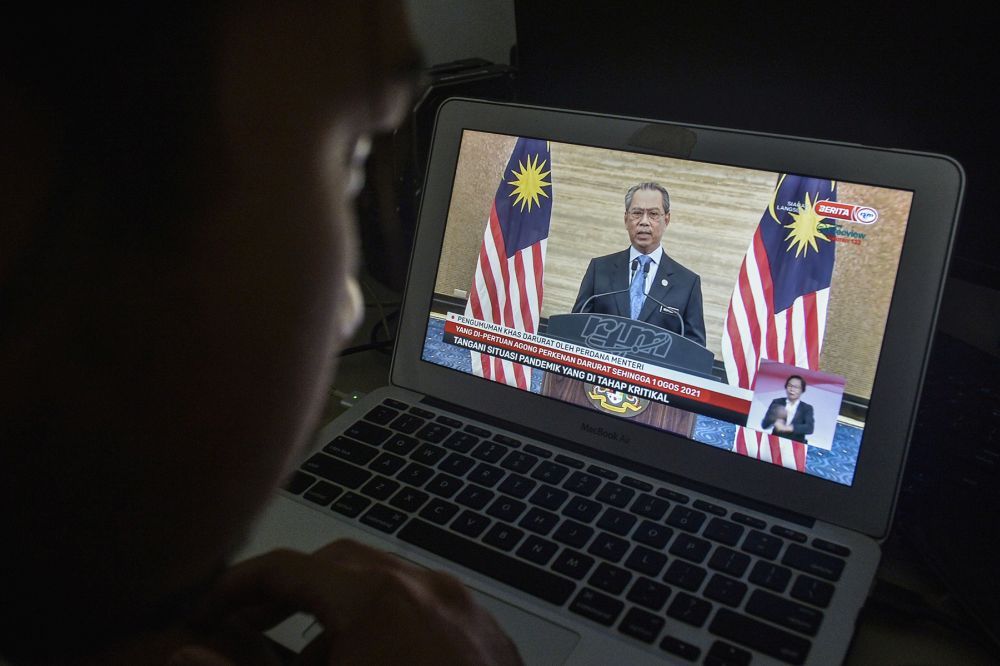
x=685, y=458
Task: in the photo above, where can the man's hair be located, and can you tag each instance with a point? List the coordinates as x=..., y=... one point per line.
x=648, y=186
x=798, y=377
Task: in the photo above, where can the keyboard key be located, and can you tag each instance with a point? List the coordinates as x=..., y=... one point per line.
x=772, y=576
x=409, y=499
x=749, y=521
x=672, y=495
x=428, y=454
x=543, y=584
x=550, y=472
x=572, y=462
x=380, y=488
x=609, y=578
x=650, y=507
x=381, y=414
x=489, y=451
x=434, y=433
x=470, y=523
x=677, y=647
x=323, y=493
x=387, y=463
x=474, y=497
x=616, y=522
x=395, y=404
x=785, y=533
x=685, y=575
x=383, y=518
x=338, y=471
x=448, y=421
x=762, y=545
x=646, y=561
x=632, y=482
x=642, y=625
x=813, y=562
x=444, y=485
x=690, y=548
x=615, y=495
x=723, y=531
x=503, y=536
x=688, y=609
x=759, y=636
x=477, y=431
x=596, y=606
x=573, y=533
x=506, y=509
x=782, y=611
x=351, y=504
x=725, y=589
x=537, y=451
x=811, y=590
x=602, y=472
x=415, y=474
x=729, y=561
x=653, y=534
x=832, y=548
x=422, y=413
x=708, y=507
x=439, y=511
x=400, y=444
x=517, y=486
x=457, y=464
x=519, y=461
x=461, y=442
x=573, y=564
x=582, y=509
x=582, y=484
x=537, y=550
x=407, y=423
x=649, y=593
x=351, y=451
x=686, y=519
x=507, y=441
x=549, y=497
x=369, y=433
x=486, y=475
x=608, y=546
x=724, y=654
x=298, y=482
x=539, y=521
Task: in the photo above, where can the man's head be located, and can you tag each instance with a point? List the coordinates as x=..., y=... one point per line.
x=795, y=386
x=176, y=279
x=647, y=214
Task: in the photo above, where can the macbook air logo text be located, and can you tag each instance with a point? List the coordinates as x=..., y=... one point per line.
x=598, y=430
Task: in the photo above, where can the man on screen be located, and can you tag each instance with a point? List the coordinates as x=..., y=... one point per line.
x=642, y=282
x=790, y=417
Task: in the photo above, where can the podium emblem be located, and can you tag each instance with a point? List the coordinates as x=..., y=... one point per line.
x=615, y=402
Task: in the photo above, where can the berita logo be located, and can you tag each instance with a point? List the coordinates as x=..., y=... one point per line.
x=839, y=210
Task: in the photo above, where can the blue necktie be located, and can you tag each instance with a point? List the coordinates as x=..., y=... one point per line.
x=636, y=290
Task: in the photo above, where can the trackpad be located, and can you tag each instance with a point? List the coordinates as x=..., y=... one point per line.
x=538, y=640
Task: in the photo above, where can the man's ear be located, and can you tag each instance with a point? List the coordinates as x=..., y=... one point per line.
x=666, y=219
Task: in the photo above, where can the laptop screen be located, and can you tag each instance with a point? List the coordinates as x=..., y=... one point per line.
x=742, y=309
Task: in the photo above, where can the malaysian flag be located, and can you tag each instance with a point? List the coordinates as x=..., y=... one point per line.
x=507, y=288
x=778, y=308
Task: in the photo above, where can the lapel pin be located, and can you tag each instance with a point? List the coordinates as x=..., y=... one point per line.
x=663, y=283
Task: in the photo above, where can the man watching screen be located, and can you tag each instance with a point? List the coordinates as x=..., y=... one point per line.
x=643, y=282
x=177, y=276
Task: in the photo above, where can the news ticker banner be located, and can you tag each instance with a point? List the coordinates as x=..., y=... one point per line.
x=644, y=380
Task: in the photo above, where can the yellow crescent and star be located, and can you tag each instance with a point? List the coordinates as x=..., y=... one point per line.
x=806, y=225
x=529, y=181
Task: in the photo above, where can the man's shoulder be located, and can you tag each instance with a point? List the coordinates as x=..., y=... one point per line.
x=677, y=268
x=609, y=259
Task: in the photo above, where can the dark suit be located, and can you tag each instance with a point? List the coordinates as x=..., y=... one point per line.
x=802, y=423
x=683, y=291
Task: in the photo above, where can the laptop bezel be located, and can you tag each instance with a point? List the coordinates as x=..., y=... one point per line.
x=867, y=505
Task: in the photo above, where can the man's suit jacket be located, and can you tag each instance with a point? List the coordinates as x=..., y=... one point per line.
x=683, y=291
x=802, y=423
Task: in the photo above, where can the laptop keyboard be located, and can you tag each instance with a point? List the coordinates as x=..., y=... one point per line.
x=615, y=549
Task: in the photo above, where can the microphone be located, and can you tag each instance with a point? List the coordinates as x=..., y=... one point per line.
x=635, y=267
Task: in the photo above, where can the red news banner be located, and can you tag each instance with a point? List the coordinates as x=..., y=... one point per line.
x=594, y=366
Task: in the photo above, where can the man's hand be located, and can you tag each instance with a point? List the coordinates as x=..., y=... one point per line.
x=374, y=608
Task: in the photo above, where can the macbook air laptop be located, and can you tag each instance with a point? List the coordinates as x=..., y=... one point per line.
x=652, y=388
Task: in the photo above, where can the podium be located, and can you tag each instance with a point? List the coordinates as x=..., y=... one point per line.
x=632, y=339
